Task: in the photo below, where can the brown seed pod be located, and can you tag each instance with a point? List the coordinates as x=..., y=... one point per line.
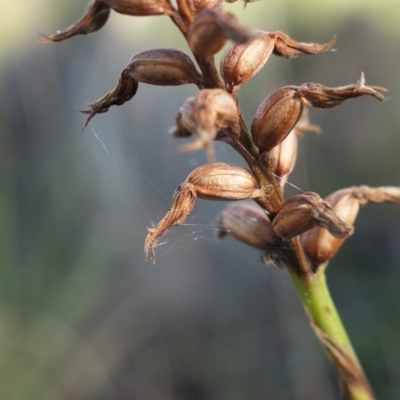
x=305, y=211
x=211, y=29
x=276, y=117
x=241, y=62
x=98, y=12
x=162, y=67
x=197, y=6
x=282, y=158
x=217, y=181
x=319, y=244
x=249, y=224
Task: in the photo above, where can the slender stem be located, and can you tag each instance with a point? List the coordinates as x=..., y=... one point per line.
x=325, y=320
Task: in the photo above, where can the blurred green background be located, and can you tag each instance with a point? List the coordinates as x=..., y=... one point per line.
x=83, y=315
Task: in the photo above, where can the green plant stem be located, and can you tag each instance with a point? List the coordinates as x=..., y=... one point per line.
x=325, y=320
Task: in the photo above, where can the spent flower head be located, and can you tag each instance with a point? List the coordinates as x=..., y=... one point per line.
x=302, y=231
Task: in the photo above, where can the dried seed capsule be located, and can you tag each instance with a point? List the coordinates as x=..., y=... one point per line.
x=162, y=67
x=276, y=117
x=303, y=212
x=249, y=224
x=211, y=30
x=319, y=244
x=220, y=181
x=216, y=181
x=241, y=62
x=98, y=12
x=282, y=158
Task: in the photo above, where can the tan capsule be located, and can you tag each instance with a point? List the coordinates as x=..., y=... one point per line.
x=305, y=211
x=220, y=181
x=241, y=62
x=276, y=117
x=163, y=67
x=216, y=181
x=211, y=29
x=249, y=224
x=319, y=244
x=282, y=158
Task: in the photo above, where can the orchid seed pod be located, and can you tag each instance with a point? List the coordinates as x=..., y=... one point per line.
x=319, y=244
x=211, y=29
x=161, y=67
x=248, y=223
x=211, y=110
x=276, y=117
x=241, y=62
x=217, y=181
x=98, y=12
x=282, y=158
x=305, y=211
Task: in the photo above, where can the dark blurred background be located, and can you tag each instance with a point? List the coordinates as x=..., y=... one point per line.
x=83, y=315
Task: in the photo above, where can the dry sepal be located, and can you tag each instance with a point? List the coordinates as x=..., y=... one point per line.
x=303, y=212
x=212, y=28
x=161, y=67
x=209, y=111
x=319, y=244
x=248, y=223
x=280, y=111
x=98, y=12
x=217, y=181
x=241, y=62
x=197, y=6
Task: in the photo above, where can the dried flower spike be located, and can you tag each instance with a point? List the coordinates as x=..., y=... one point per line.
x=248, y=223
x=217, y=181
x=305, y=211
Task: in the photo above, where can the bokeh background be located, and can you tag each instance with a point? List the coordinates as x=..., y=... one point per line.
x=83, y=315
